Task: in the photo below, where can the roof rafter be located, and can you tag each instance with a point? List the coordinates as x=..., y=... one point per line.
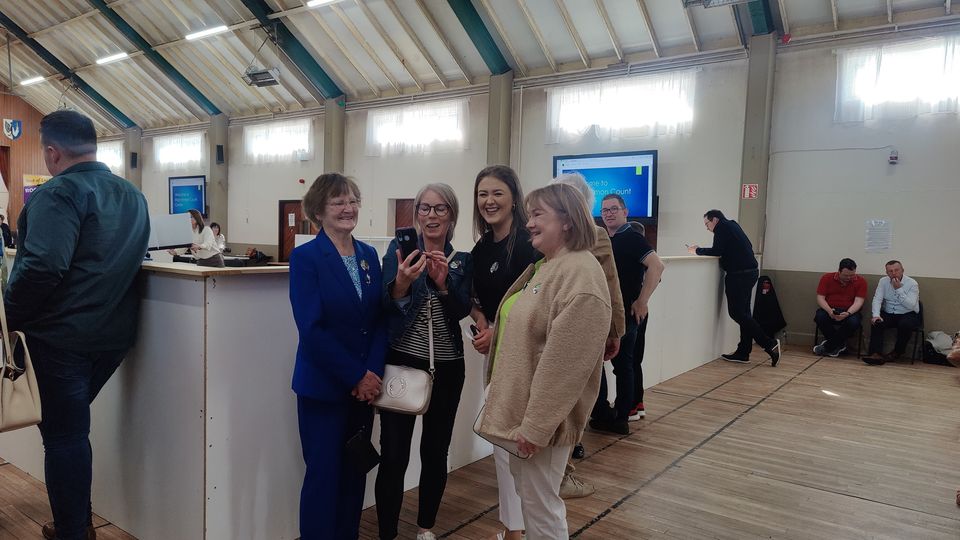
x=611, y=31
x=416, y=41
x=390, y=43
x=573, y=33
x=648, y=23
x=536, y=33
x=443, y=39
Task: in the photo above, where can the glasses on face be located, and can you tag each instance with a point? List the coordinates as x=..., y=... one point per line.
x=611, y=210
x=340, y=205
x=441, y=209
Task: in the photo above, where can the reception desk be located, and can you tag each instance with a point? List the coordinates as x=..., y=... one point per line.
x=196, y=435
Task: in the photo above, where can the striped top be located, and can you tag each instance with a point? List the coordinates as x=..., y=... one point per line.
x=415, y=340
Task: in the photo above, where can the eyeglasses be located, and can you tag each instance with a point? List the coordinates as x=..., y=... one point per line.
x=611, y=210
x=441, y=209
x=340, y=205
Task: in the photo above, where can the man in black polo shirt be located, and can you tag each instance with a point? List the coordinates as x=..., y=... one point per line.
x=733, y=247
x=639, y=270
x=82, y=238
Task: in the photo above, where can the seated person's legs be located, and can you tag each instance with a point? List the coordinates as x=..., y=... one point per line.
x=905, y=324
x=848, y=329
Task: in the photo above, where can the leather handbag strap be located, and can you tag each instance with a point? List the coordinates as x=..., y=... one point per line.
x=7, y=343
x=430, y=334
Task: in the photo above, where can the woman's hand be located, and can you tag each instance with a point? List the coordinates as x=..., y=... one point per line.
x=437, y=269
x=407, y=273
x=482, y=341
x=172, y=252
x=368, y=388
x=526, y=447
x=194, y=247
x=692, y=249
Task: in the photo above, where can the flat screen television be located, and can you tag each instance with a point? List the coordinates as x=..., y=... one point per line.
x=632, y=175
x=188, y=193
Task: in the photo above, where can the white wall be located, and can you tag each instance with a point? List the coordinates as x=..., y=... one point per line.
x=154, y=182
x=819, y=200
x=255, y=190
x=400, y=177
x=697, y=172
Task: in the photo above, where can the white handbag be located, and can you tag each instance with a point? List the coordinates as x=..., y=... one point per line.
x=407, y=390
x=19, y=394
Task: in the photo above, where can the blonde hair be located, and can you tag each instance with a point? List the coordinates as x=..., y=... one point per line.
x=449, y=198
x=324, y=188
x=570, y=204
x=578, y=181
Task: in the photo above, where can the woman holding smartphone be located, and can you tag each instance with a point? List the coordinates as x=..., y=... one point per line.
x=425, y=294
x=502, y=253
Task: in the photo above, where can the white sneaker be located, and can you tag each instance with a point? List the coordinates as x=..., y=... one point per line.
x=426, y=535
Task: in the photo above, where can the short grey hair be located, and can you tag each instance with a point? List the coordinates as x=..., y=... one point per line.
x=449, y=197
x=577, y=180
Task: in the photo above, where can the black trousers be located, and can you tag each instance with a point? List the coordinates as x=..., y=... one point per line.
x=638, y=360
x=738, y=288
x=396, y=432
x=905, y=324
x=837, y=332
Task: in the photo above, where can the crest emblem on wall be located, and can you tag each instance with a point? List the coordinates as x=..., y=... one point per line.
x=12, y=129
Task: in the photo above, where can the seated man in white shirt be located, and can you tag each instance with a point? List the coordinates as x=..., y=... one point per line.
x=896, y=304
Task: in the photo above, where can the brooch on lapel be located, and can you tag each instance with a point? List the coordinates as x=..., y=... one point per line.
x=365, y=266
x=494, y=267
x=454, y=265
x=536, y=288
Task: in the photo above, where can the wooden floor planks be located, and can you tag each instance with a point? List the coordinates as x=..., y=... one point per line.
x=815, y=448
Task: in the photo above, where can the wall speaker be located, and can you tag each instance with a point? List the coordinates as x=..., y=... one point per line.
x=133, y=160
x=219, y=154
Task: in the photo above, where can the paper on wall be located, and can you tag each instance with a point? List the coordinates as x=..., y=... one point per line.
x=879, y=235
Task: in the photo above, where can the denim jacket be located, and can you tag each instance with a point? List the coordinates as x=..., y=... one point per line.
x=456, y=304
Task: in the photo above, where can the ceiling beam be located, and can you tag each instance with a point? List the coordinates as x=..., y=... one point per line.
x=416, y=41
x=537, y=34
x=292, y=47
x=443, y=39
x=390, y=43
x=480, y=36
x=836, y=18
x=611, y=32
x=737, y=25
x=573, y=33
x=156, y=58
x=783, y=16
x=648, y=23
x=88, y=91
x=366, y=47
x=346, y=53
x=947, y=7
x=693, y=28
x=889, y=11
x=503, y=35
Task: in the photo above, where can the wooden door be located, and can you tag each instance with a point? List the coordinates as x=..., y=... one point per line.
x=291, y=223
x=403, y=210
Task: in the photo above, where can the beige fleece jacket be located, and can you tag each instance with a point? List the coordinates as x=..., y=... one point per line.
x=548, y=365
x=603, y=251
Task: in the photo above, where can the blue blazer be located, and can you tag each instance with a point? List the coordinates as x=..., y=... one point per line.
x=341, y=336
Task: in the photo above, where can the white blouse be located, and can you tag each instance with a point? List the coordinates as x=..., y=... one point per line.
x=207, y=243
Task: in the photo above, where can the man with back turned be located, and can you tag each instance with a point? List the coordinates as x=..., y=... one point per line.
x=82, y=238
x=733, y=247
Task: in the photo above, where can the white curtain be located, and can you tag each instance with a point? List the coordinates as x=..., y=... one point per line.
x=419, y=128
x=111, y=154
x=898, y=80
x=180, y=151
x=651, y=105
x=275, y=142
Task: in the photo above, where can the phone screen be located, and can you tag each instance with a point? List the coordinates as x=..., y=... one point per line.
x=407, y=240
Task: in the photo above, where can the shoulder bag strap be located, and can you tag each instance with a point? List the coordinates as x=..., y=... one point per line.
x=7, y=344
x=430, y=332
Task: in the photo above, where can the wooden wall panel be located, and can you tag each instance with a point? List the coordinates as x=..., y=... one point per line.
x=26, y=156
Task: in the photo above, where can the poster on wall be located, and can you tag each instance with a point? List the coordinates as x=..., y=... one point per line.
x=30, y=184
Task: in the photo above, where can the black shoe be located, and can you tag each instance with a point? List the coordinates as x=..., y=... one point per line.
x=874, y=360
x=579, y=452
x=736, y=357
x=620, y=427
x=774, y=353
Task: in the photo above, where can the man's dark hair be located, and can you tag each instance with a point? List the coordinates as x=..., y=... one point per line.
x=893, y=262
x=615, y=196
x=711, y=214
x=70, y=131
x=847, y=264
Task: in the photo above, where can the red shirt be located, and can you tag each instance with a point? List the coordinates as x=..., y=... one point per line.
x=840, y=295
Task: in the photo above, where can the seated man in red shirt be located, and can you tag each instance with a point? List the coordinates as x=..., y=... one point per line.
x=840, y=296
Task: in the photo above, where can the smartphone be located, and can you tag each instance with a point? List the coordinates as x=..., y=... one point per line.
x=408, y=242
x=474, y=330
x=837, y=311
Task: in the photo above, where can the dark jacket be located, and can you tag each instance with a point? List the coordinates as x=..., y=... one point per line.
x=341, y=336
x=456, y=304
x=7, y=236
x=83, y=235
x=733, y=247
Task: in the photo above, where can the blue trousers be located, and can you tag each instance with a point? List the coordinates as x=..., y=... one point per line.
x=332, y=495
x=68, y=382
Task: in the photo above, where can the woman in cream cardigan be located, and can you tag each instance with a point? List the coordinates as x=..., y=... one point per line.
x=547, y=352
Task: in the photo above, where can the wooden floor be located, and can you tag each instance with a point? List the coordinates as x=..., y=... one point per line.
x=818, y=448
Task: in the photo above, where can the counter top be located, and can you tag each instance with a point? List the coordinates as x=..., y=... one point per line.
x=687, y=257
x=188, y=269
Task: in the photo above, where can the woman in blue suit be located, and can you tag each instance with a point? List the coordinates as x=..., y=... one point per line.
x=335, y=292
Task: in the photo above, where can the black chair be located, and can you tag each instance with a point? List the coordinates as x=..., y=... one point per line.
x=816, y=338
x=918, y=336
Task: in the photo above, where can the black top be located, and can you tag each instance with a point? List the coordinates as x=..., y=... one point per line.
x=7, y=237
x=733, y=247
x=83, y=234
x=630, y=248
x=492, y=275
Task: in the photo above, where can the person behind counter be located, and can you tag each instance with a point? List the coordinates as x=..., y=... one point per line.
x=335, y=292
x=204, y=244
x=220, y=238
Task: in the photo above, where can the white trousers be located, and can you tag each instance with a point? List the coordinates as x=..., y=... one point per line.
x=538, y=483
x=511, y=513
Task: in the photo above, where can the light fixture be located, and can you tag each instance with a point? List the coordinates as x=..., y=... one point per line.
x=112, y=58
x=207, y=32
x=32, y=80
x=318, y=3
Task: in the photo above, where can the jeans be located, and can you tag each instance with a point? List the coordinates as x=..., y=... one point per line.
x=68, y=382
x=638, y=350
x=905, y=324
x=738, y=287
x=623, y=371
x=837, y=332
x=396, y=432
